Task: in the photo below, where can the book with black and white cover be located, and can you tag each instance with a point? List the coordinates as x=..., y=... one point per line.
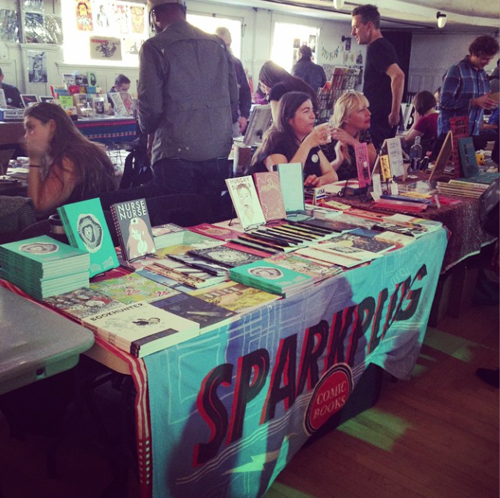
x=141, y=329
x=225, y=256
x=187, y=275
x=245, y=201
x=201, y=264
x=206, y=314
x=133, y=227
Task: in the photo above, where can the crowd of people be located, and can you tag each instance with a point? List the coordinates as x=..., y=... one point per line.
x=194, y=98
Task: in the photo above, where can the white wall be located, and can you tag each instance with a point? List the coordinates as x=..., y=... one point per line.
x=430, y=58
x=432, y=55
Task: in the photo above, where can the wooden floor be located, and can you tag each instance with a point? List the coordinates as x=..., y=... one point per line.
x=434, y=436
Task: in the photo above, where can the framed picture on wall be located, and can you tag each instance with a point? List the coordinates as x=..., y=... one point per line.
x=29, y=99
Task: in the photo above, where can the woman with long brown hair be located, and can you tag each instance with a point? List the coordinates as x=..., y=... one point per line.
x=64, y=166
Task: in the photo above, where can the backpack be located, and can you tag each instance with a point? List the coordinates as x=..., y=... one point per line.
x=137, y=170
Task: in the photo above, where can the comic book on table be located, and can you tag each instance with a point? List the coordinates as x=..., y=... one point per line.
x=133, y=227
x=269, y=191
x=225, y=256
x=82, y=303
x=141, y=329
x=86, y=228
x=206, y=314
x=132, y=288
x=267, y=276
x=168, y=235
x=245, y=201
x=235, y=297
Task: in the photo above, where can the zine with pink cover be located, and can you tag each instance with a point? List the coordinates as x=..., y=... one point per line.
x=270, y=196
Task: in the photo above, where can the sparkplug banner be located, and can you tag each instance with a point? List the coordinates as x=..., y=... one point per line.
x=231, y=408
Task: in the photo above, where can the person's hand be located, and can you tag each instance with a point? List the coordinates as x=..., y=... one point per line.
x=313, y=181
x=340, y=152
x=394, y=119
x=243, y=124
x=344, y=137
x=485, y=102
x=320, y=135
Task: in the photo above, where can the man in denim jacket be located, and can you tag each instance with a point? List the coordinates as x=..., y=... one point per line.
x=187, y=86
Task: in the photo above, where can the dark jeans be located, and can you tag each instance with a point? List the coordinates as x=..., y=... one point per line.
x=205, y=178
x=380, y=130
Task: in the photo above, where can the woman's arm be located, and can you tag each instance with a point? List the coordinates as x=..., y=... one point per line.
x=55, y=188
x=409, y=136
x=328, y=173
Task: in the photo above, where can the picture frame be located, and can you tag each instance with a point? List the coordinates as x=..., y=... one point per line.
x=28, y=99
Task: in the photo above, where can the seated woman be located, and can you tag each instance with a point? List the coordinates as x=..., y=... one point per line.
x=276, y=81
x=64, y=166
x=425, y=118
x=293, y=138
x=350, y=123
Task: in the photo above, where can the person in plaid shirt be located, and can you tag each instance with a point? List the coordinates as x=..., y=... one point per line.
x=466, y=90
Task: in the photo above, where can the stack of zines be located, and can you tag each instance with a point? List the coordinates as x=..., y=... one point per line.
x=44, y=267
x=168, y=235
x=271, y=278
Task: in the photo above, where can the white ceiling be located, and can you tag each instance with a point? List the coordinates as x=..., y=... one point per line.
x=416, y=15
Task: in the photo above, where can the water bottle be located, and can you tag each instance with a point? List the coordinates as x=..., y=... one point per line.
x=415, y=155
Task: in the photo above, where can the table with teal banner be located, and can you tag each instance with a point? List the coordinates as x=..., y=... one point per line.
x=109, y=130
x=223, y=414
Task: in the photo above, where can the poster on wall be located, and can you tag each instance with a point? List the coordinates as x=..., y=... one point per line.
x=121, y=16
x=9, y=28
x=37, y=66
x=131, y=46
x=137, y=19
x=102, y=16
x=53, y=30
x=312, y=43
x=105, y=48
x=84, y=16
x=34, y=29
x=33, y=5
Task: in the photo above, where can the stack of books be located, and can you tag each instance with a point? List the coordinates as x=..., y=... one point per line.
x=271, y=278
x=465, y=187
x=168, y=235
x=44, y=267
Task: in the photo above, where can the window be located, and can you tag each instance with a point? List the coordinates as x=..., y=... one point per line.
x=288, y=38
x=100, y=32
x=209, y=24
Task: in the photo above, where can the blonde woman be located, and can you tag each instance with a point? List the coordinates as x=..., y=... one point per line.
x=350, y=123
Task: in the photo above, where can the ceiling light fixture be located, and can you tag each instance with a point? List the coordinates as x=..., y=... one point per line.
x=338, y=4
x=441, y=19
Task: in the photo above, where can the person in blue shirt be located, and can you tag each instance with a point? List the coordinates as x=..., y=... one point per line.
x=466, y=89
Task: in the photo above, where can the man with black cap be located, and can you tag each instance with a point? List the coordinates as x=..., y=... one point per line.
x=187, y=86
x=307, y=70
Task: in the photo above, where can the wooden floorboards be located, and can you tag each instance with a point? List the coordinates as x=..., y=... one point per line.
x=435, y=436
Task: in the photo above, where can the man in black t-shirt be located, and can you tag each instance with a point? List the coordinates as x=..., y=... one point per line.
x=384, y=79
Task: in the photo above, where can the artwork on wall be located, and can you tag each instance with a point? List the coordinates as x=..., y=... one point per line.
x=37, y=66
x=53, y=30
x=105, y=48
x=312, y=43
x=33, y=5
x=34, y=29
x=9, y=27
x=84, y=16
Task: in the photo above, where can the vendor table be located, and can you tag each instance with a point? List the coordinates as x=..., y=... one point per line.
x=107, y=130
x=36, y=343
x=462, y=220
x=222, y=414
